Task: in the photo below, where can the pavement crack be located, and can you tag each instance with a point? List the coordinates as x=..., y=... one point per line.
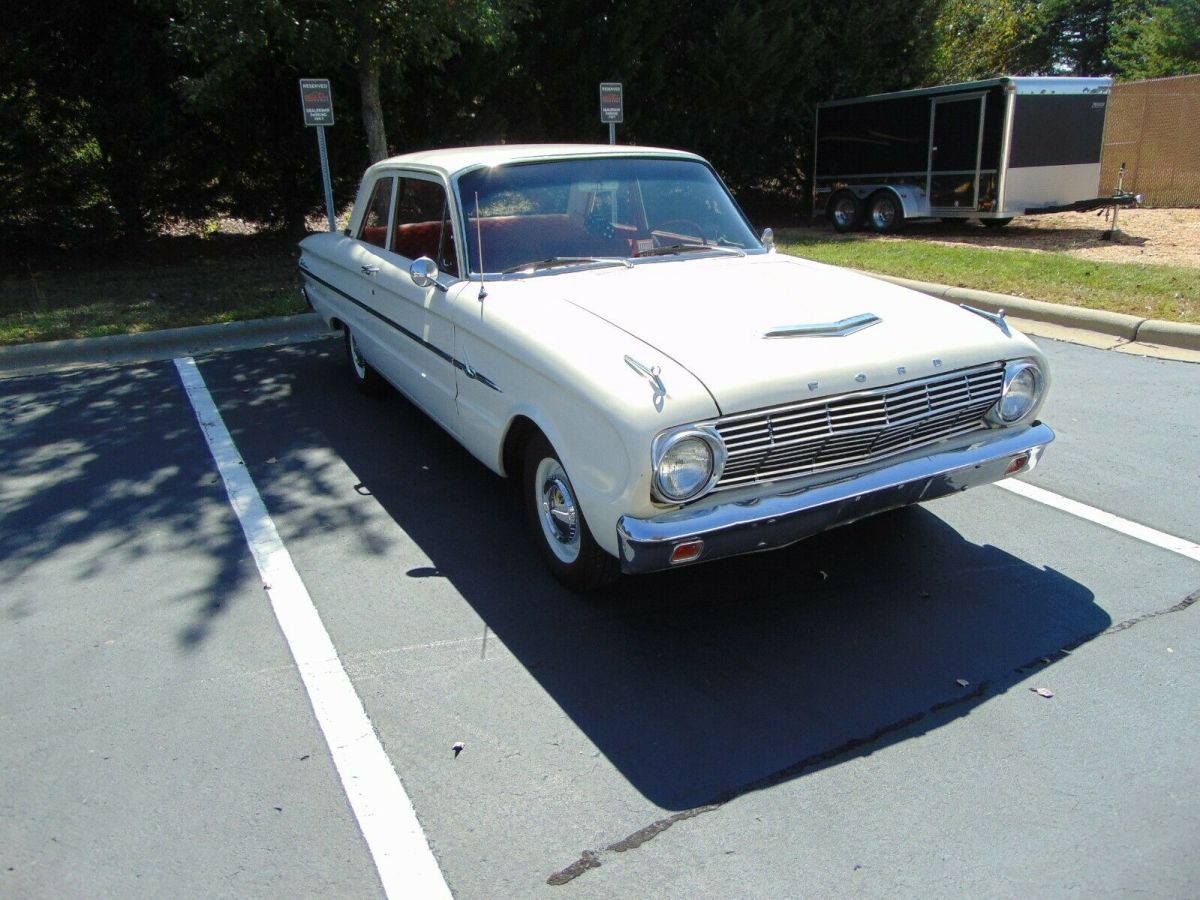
x=1183, y=604
x=1068, y=649
x=653, y=830
x=592, y=859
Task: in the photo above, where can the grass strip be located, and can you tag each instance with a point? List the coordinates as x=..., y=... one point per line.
x=1171, y=293
x=127, y=299
x=96, y=300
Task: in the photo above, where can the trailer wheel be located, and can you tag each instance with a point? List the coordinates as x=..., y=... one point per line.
x=995, y=223
x=845, y=211
x=885, y=213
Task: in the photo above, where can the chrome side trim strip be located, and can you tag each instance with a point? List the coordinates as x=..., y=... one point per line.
x=432, y=348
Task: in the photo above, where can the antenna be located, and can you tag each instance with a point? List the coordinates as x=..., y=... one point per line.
x=479, y=241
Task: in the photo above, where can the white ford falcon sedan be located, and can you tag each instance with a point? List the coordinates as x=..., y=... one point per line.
x=603, y=324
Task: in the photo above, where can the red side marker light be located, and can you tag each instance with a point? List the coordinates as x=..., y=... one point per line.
x=686, y=552
x=1017, y=463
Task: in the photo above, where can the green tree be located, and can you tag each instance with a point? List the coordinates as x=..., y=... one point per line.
x=977, y=39
x=1074, y=36
x=985, y=38
x=735, y=81
x=379, y=41
x=95, y=136
x=1161, y=39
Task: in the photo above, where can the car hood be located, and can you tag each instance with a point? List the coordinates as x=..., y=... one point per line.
x=710, y=316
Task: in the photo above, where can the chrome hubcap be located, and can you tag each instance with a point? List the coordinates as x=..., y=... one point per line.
x=559, y=511
x=844, y=212
x=883, y=215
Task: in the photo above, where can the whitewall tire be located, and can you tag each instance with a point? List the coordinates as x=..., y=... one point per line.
x=557, y=523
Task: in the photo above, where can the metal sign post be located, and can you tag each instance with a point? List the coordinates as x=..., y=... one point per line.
x=612, y=107
x=317, y=100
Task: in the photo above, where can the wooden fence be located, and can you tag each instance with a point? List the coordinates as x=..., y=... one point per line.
x=1152, y=127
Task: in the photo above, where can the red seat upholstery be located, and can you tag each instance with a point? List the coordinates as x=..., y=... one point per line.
x=375, y=234
x=510, y=240
x=417, y=239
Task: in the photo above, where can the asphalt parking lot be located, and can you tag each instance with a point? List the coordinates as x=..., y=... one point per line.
x=856, y=716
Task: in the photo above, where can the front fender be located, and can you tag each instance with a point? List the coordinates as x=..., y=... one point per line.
x=565, y=371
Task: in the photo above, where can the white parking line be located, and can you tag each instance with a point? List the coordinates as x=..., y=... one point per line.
x=385, y=815
x=1100, y=517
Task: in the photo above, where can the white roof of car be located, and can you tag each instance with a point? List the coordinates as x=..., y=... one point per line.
x=451, y=161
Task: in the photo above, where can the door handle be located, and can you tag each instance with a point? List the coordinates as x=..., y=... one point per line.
x=370, y=270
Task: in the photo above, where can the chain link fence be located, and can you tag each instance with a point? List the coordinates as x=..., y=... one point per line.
x=1151, y=128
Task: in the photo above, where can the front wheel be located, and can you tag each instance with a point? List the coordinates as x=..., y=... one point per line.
x=885, y=213
x=557, y=523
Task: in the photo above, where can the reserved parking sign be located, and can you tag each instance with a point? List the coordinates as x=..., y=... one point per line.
x=316, y=98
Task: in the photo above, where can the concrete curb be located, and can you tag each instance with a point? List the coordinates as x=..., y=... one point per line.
x=165, y=344
x=169, y=343
x=1170, y=334
x=1180, y=335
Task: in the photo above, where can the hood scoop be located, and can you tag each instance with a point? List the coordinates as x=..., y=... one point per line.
x=840, y=328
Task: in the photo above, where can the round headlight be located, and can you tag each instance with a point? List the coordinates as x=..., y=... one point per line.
x=685, y=468
x=686, y=463
x=1022, y=389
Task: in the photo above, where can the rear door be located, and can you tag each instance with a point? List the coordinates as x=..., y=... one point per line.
x=956, y=136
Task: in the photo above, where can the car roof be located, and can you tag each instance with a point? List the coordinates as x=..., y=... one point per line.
x=453, y=161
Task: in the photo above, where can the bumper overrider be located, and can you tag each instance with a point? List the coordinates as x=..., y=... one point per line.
x=709, y=531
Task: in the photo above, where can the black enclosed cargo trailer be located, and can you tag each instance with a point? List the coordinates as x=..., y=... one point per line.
x=987, y=150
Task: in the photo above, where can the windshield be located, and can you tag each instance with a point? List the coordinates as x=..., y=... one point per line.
x=593, y=210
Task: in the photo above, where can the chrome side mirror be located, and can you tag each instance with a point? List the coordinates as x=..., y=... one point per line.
x=424, y=272
x=768, y=239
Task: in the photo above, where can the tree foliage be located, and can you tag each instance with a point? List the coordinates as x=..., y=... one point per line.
x=96, y=135
x=1160, y=39
x=1127, y=38
x=116, y=116
x=984, y=39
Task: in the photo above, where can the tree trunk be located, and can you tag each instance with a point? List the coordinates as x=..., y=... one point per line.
x=368, y=80
x=123, y=179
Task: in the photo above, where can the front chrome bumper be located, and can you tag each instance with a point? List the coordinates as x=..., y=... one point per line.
x=792, y=514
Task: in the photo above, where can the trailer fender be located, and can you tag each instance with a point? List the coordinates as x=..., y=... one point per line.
x=911, y=197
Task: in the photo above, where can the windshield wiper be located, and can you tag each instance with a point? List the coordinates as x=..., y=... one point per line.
x=555, y=261
x=672, y=249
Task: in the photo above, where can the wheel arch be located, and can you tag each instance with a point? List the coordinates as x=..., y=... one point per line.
x=521, y=430
x=904, y=194
x=597, y=459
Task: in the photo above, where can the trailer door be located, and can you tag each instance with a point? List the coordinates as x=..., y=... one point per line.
x=955, y=141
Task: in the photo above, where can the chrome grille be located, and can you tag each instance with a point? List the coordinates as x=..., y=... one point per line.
x=838, y=432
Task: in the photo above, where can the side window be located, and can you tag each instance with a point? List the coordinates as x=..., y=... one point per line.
x=447, y=259
x=422, y=226
x=375, y=222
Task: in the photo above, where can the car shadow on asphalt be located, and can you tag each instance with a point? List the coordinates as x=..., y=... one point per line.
x=710, y=681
